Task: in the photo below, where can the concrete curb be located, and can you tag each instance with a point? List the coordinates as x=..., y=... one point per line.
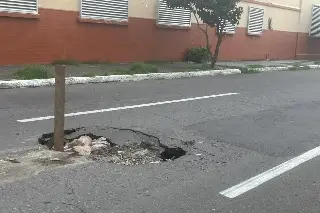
x=114, y=78
x=284, y=68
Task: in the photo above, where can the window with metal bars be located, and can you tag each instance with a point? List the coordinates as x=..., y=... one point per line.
x=229, y=28
x=173, y=17
x=255, y=22
x=19, y=6
x=315, y=21
x=110, y=10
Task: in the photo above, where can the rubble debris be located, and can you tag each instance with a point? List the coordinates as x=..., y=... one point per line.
x=121, y=146
x=189, y=143
x=11, y=160
x=82, y=141
x=82, y=150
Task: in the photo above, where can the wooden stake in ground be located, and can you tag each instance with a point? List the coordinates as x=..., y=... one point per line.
x=59, y=107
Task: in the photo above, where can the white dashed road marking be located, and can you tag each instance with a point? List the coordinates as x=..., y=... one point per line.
x=127, y=107
x=270, y=174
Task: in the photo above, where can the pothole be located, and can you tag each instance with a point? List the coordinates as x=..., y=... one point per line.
x=115, y=145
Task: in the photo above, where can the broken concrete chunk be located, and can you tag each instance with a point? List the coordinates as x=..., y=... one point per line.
x=141, y=153
x=98, y=146
x=82, y=150
x=85, y=141
x=101, y=140
x=82, y=141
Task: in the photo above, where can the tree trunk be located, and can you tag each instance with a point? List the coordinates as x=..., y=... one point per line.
x=216, y=52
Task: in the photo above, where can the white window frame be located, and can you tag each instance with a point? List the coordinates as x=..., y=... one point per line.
x=172, y=11
x=249, y=20
x=313, y=6
x=21, y=11
x=104, y=18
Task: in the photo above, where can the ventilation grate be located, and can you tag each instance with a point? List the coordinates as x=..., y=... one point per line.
x=229, y=28
x=315, y=22
x=115, y=10
x=21, y=6
x=173, y=17
x=255, y=22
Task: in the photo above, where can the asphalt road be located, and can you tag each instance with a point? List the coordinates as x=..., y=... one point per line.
x=273, y=119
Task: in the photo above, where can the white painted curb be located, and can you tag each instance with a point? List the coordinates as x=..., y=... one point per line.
x=284, y=68
x=114, y=78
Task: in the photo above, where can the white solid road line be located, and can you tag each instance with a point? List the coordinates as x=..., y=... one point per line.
x=126, y=107
x=268, y=175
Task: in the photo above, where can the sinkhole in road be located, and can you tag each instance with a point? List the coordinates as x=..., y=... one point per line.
x=116, y=145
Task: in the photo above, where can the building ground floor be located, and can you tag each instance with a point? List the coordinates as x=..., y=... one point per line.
x=57, y=34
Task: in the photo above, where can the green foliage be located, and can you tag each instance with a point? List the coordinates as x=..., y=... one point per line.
x=118, y=72
x=33, y=72
x=270, y=24
x=317, y=62
x=70, y=62
x=89, y=74
x=213, y=13
x=246, y=70
x=197, y=55
x=255, y=66
x=136, y=68
x=143, y=68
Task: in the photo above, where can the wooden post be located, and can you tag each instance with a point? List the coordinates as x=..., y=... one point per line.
x=59, y=107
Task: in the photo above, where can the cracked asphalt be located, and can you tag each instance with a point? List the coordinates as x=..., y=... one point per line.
x=274, y=118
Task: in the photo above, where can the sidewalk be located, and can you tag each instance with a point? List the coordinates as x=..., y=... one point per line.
x=95, y=72
x=265, y=63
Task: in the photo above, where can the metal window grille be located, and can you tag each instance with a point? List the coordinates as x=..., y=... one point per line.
x=229, y=28
x=255, y=22
x=20, y=6
x=315, y=21
x=114, y=10
x=173, y=17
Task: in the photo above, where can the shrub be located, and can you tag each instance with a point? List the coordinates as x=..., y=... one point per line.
x=143, y=68
x=33, y=72
x=197, y=55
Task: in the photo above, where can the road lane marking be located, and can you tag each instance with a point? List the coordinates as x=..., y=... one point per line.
x=127, y=107
x=270, y=174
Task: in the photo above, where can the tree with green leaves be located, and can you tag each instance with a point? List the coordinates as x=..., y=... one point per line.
x=213, y=13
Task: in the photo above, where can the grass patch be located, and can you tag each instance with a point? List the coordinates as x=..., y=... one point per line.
x=136, y=68
x=158, y=62
x=70, y=62
x=91, y=62
x=252, y=66
x=89, y=74
x=33, y=72
x=246, y=70
x=207, y=67
x=143, y=68
x=94, y=62
x=118, y=72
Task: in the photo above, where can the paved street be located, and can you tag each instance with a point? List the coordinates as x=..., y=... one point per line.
x=255, y=130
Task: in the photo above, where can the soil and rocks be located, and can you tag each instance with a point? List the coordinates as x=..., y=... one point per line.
x=114, y=145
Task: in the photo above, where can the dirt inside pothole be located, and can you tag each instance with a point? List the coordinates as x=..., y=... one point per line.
x=115, y=145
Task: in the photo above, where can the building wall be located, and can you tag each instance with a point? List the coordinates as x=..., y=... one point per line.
x=307, y=47
x=57, y=33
